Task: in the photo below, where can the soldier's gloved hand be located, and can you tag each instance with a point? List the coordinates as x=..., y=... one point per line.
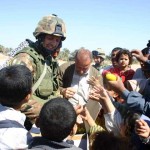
x=32, y=109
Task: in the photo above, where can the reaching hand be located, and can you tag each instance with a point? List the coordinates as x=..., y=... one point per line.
x=85, y=115
x=98, y=94
x=94, y=81
x=94, y=95
x=142, y=129
x=78, y=109
x=117, y=86
x=138, y=54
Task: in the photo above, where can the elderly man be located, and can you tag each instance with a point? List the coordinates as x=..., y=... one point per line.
x=74, y=77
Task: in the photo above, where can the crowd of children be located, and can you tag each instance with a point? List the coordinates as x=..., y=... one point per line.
x=126, y=111
x=129, y=117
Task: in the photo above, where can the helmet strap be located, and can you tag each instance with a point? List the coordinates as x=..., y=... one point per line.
x=46, y=52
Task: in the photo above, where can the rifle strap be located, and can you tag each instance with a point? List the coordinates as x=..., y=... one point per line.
x=36, y=85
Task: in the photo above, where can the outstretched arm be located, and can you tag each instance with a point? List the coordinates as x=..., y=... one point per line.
x=113, y=118
x=138, y=54
x=100, y=94
x=134, y=100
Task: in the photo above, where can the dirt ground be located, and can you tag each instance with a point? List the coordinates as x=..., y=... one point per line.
x=135, y=66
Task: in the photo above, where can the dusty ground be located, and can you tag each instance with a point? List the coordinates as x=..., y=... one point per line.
x=135, y=66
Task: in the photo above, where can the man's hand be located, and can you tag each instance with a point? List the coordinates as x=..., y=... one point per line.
x=117, y=86
x=142, y=129
x=68, y=92
x=138, y=54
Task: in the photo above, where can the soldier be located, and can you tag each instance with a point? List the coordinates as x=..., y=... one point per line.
x=99, y=57
x=37, y=56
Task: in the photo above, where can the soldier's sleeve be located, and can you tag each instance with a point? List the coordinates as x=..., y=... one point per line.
x=38, y=99
x=24, y=59
x=62, y=69
x=97, y=74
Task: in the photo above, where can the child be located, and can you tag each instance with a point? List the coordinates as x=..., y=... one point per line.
x=112, y=117
x=120, y=126
x=107, y=141
x=56, y=121
x=113, y=58
x=86, y=116
x=124, y=59
x=133, y=100
x=15, y=90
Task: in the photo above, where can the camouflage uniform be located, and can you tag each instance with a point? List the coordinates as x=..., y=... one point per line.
x=99, y=67
x=34, y=57
x=99, y=53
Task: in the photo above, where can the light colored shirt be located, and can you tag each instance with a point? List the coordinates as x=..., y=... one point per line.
x=113, y=122
x=13, y=137
x=79, y=83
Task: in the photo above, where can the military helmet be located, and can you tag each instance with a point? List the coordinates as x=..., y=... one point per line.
x=99, y=52
x=51, y=25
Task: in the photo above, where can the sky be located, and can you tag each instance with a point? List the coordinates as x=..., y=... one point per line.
x=91, y=24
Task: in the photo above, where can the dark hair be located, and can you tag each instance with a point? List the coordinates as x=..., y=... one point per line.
x=56, y=119
x=145, y=51
x=148, y=44
x=124, y=52
x=103, y=140
x=113, y=56
x=116, y=49
x=129, y=122
x=15, y=84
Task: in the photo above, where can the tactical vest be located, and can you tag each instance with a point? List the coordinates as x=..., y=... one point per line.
x=49, y=84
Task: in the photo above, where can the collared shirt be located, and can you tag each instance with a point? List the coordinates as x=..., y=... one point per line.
x=79, y=83
x=16, y=137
